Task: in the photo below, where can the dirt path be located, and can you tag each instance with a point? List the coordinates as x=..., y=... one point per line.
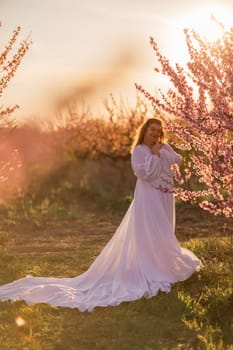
x=95, y=225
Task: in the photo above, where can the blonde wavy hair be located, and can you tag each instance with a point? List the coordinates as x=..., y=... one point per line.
x=140, y=134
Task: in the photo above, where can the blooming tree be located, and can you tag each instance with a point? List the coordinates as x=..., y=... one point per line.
x=8, y=67
x=198, y=112
x=10, y=59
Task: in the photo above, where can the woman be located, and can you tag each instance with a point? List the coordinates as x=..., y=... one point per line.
x=142, y=257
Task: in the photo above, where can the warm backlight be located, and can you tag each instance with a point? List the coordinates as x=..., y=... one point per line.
x=207, y=20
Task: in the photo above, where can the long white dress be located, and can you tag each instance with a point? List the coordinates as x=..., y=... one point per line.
x=142, y=257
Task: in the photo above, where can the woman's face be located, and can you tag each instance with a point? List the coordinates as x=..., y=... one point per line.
x=152, y=134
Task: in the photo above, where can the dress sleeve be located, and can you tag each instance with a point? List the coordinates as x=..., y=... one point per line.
x=170, y=156
x=145, y=166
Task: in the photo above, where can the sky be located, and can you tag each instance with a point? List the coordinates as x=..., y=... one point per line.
x=87, y=50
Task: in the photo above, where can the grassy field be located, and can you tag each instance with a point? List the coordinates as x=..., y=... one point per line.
x=62, y=239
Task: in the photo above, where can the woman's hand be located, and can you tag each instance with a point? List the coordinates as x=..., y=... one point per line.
x=156, y=147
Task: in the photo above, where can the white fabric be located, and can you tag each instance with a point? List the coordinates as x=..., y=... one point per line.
x=142, y=257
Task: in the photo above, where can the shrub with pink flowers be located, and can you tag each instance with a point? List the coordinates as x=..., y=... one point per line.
x=109, y=136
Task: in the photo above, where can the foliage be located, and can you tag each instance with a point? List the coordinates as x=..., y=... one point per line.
x=108, y=136
x=198, y=110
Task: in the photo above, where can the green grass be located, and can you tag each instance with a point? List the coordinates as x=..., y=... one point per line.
x=196, y=315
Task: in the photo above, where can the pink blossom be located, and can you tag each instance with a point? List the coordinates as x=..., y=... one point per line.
x=201, y=123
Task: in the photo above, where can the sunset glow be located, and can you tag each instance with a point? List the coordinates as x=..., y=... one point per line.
x=204, y=20
x=78, y=41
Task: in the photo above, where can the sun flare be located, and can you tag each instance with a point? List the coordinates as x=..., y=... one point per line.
x=207, y=20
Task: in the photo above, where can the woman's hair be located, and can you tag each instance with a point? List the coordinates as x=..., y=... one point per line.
x=142, y=131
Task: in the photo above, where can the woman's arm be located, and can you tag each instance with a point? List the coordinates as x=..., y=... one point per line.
x=145, y=166
x=170, y=155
